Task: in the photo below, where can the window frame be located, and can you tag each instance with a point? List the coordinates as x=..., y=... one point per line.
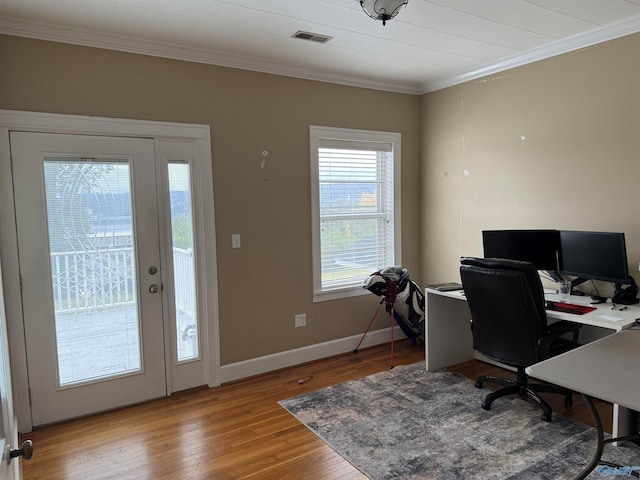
x=316, y=135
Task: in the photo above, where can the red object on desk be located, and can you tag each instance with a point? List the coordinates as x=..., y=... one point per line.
x=569, y=308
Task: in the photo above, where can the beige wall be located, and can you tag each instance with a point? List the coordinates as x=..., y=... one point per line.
x=554, y=144
x=266, y=282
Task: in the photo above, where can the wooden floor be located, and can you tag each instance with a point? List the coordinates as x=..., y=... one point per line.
x=235, y=431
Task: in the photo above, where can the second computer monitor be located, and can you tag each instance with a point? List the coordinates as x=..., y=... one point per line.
x=594, y=255
x=540, y=247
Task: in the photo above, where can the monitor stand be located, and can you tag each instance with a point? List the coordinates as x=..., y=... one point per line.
x=555, y=276
x=578, y=281
x=596, y=299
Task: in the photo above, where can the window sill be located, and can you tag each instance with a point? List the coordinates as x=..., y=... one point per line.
x=338, y=294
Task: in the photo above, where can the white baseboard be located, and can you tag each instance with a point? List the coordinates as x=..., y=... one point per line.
x=268, y=363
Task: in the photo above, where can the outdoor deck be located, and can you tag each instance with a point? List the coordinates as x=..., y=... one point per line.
x=106, y=343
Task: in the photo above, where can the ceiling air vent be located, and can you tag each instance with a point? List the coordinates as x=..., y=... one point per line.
x=314, y=37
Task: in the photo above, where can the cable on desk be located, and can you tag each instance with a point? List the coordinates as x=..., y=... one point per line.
x=595, y=287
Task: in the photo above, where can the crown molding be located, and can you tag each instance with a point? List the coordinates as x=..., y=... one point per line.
x=122, y=43
x=54, y=33
x=576, y=42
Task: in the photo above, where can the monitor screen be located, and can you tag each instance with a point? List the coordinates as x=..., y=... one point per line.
x=594, y=255
x=540, y=247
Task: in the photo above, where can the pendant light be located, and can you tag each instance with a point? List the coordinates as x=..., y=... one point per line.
x=382, y=9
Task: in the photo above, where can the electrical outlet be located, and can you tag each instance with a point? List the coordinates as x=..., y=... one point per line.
x=235, y=240
x=301, y=320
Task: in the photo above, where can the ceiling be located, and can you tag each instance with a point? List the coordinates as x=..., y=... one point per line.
x=431, y=44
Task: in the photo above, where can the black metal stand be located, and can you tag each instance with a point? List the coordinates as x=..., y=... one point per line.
x=390, y=310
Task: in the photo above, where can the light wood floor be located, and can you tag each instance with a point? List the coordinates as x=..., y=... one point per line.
x=235, y=431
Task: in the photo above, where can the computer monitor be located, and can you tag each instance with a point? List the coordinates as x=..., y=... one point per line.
x=594, y=256
x=540, y=247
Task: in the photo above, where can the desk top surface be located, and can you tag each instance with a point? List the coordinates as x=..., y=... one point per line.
x=608, y=369
x=606, y=315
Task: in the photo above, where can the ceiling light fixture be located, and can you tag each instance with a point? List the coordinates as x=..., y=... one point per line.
x=382, y=9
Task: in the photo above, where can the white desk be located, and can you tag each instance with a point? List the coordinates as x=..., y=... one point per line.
x=608, y=369
x=448, y=335
x=448, y=338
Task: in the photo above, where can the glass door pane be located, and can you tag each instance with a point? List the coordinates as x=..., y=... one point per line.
x=90, y=226
x=186, y=312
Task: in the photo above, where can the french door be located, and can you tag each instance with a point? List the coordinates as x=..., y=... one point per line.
x=110, y=309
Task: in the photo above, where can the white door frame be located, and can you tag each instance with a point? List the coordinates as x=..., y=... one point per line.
x=7, y=416
x=83, y=125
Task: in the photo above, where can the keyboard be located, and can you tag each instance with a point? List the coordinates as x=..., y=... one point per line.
x=568, y=307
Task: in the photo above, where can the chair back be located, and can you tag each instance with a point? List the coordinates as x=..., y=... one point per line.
x=506, y=301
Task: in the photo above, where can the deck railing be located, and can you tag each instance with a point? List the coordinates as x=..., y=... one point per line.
x=104, y=279
x=184, y=284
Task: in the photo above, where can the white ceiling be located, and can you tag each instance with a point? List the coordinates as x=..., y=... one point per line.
x=431, y=44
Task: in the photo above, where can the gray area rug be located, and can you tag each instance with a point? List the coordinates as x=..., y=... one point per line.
x=407, y=423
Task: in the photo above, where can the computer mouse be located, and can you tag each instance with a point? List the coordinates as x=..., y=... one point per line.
x=549, y=304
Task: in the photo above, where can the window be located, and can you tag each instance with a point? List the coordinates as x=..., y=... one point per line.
x=184, y=261
x=355, y=184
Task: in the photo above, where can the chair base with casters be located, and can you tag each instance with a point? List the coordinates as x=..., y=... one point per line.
x=522, y=387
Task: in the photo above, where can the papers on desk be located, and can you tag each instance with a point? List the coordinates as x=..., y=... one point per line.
x=446, y=287
x=611, y=317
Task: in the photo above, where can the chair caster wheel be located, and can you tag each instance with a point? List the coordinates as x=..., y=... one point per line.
x=485, y=406
x=546, y=417
x=478, y=384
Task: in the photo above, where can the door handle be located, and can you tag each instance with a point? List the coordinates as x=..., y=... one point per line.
x=153, y=288
x=25, y=451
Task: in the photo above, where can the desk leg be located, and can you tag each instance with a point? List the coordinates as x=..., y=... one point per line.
x=624, y=421
x=447, y=332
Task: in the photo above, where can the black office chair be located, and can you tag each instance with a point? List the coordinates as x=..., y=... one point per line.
x=509, y=325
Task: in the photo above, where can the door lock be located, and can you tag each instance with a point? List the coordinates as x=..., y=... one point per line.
x=153, y=288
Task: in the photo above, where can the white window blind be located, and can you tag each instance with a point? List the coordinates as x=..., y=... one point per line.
x=356, y=226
